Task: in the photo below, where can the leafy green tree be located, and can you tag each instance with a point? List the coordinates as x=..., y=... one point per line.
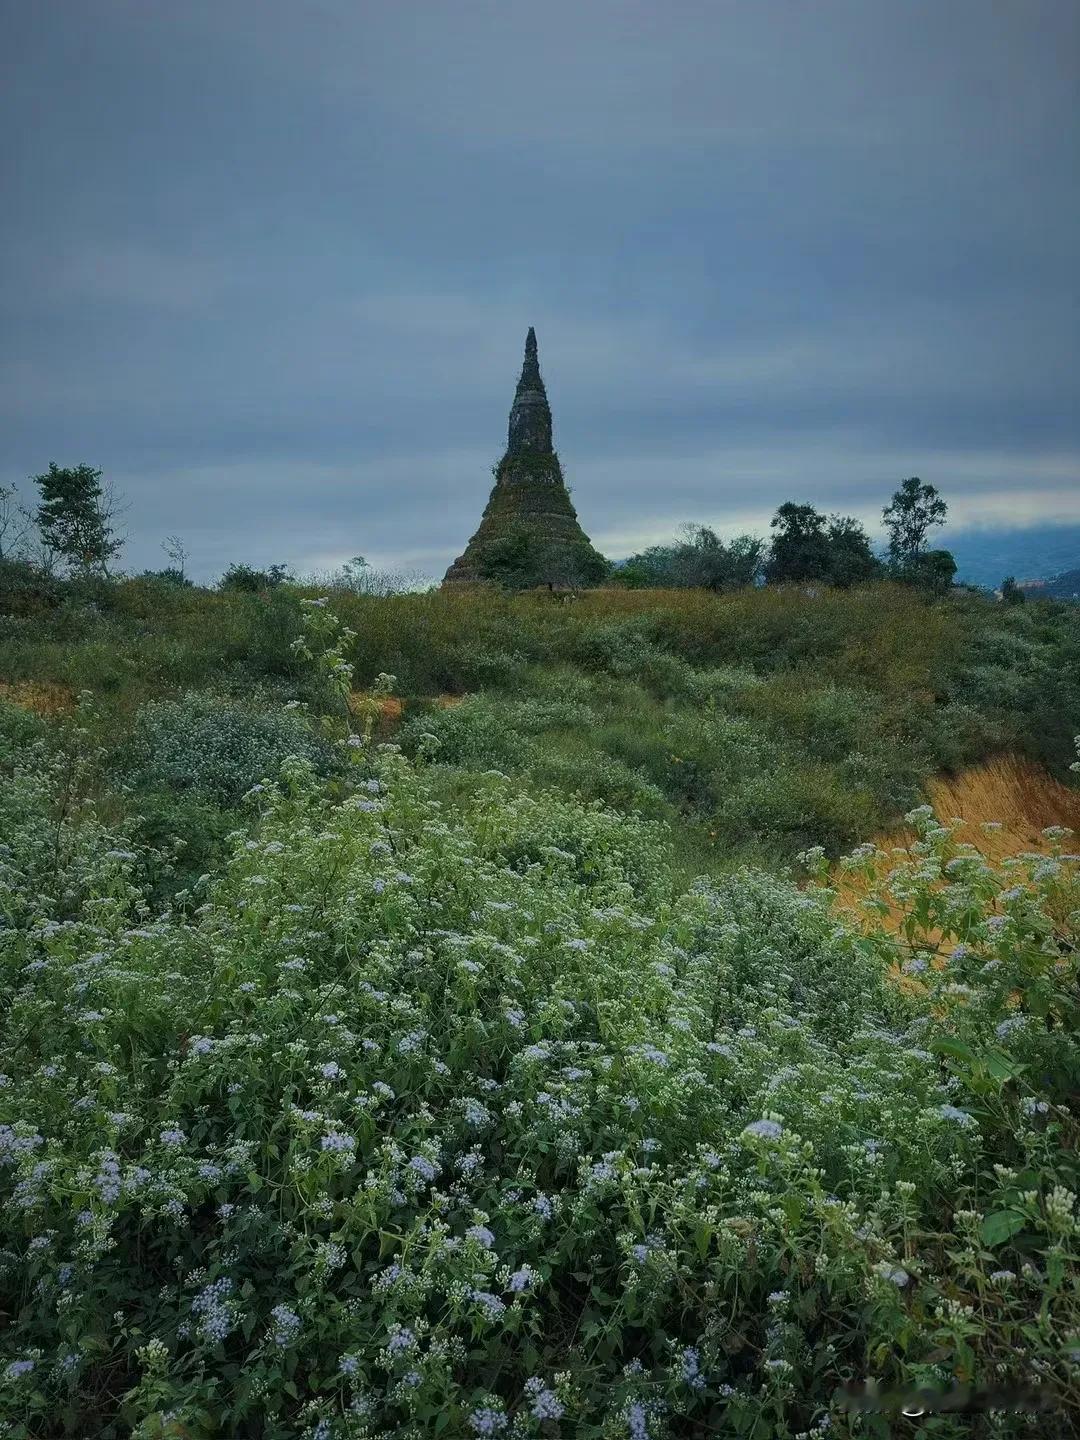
x=656, y=568
x=701, y=560
x=636, y=573
x=244, y=577
x=75, y=519
x=1011, y=592
x=807, y=547
x=932, y=570
x=909, y=517
x=170, y=575
x=800, y=546
x=851, y=560
x=511, y=561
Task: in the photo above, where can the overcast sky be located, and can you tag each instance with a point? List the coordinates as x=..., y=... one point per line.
x=270, y=263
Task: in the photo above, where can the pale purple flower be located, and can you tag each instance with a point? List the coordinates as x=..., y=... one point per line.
x=522, y=1279
x=691, y=1363
x=637, y=1421
x=486, y=1421
x=286, y=1325
x=547, y=1405
x=338, y=1142
x=961, y=1117
x=492, y=1306
x=425, y=1168
x=764, y=1129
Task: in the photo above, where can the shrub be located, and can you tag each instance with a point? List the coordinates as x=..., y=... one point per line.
x=19, y=729
x=475, y=667
x=215, y=747
x=194, y=831
x=402, y=1124
x=591, y=775
x=244, y=578
x=26, y=590
x=482, y=732
x=717, y=685
x=171, y=577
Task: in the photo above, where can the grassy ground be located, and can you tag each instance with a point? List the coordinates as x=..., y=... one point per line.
x=405, y=1099
x=754, y=724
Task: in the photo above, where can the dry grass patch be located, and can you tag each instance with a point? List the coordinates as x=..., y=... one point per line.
x=390, y=707
x=1016, y=794
x=1003, y=805
x=43, y=697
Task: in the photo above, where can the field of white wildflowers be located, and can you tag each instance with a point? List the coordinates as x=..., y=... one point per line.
x=414, y=1123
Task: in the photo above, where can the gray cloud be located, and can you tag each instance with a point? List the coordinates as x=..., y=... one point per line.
x=270, y=264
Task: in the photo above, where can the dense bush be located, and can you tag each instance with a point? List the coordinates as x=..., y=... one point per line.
x=214, y=746
x=410, y=1123
x=245, y=578
x=699, y=559
x=576, y=769
x=1023, y=675
x=854, y=696
x=25, y=589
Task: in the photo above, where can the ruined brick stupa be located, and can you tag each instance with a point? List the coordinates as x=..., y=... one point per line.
x=529, y=511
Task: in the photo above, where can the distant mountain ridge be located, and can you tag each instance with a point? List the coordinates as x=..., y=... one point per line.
x=1041, y=552
x=1065, y=586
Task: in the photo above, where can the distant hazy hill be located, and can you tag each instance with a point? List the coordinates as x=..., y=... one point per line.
x=985, y=557
x=1065, y=586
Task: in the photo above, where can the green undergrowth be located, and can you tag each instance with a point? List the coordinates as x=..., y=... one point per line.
x=427, y=1115
x=754, y=723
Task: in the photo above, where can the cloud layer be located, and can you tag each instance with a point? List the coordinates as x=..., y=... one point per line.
x=271, y=264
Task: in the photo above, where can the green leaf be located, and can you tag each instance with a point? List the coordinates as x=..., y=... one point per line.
x=1055, y=1268
x=1002, y=1066
x=948, y=1046
x=1000, y=1225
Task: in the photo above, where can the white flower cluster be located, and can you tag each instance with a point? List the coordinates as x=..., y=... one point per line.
x=427, y=1089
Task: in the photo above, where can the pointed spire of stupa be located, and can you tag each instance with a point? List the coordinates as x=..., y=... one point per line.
x=530, y=497
x=530, y=415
